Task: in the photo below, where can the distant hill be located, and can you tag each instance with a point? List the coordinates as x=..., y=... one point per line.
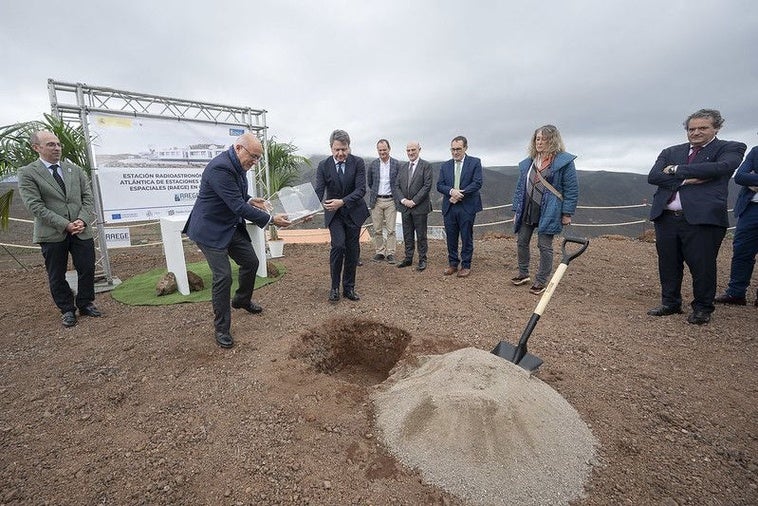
x=596, y=189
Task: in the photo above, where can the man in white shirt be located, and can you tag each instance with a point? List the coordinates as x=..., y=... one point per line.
x=380, y=180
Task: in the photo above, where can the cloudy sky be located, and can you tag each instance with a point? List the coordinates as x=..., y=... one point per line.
x=617, y=78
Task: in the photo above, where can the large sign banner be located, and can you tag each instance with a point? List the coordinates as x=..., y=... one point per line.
x=148, y=168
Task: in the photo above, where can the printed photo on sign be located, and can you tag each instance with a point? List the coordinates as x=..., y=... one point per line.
x=148, y=168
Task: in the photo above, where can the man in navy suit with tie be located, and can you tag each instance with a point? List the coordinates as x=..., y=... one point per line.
x=341, y=181
x=459, y=183
x=745, y=243
x=217, y=224
x=690, y=212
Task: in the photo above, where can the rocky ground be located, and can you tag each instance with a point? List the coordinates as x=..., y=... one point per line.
x=141, y=406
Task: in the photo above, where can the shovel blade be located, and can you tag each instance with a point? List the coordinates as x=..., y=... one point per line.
x=508, y=352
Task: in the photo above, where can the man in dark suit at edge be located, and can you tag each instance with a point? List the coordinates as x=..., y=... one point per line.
x=690, y=212
x=459, y=183
x=341, y=185
x=217, y=225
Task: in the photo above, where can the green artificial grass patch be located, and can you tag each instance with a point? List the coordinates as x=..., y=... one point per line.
x=139, y=290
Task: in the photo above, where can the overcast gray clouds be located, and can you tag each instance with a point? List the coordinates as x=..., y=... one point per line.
x=617, y=78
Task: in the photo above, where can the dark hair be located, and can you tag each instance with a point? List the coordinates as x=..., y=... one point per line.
x=384, y=141
x=711, y=114
x=460, y=138
x=340, y=136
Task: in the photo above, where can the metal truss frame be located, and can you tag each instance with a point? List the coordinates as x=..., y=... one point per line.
x=72, y=102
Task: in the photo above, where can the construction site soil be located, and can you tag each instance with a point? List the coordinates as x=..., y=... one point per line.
x=141, y=406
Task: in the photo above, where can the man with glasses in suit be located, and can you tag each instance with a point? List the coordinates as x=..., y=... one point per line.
x=59, y=196
x=217, y=224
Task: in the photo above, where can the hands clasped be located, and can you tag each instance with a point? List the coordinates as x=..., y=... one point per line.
x=455, y=196
x=333, y=204
x=76, y=227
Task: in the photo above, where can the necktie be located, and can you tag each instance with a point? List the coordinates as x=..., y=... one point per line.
x=410, y=171
x=57, y=177
x=695, y=151
x=341, y=170
x=457, y=175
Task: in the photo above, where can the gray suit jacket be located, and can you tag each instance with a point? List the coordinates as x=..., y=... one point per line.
x=372, y=179
x=53, y=209
x=417, y=189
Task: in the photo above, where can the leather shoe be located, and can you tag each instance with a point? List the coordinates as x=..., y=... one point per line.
x=698, y=317
x=728, y=299
x=250, y=307
x=378, y=257
x=90, y=310
x=404, y=263
x=224, y=339
x=351, y=294
x=334, y=295
x=664, y=311
x=421, y=265
x=464, y=272
x=450, y=270
x=68, y=319
x=391, y=259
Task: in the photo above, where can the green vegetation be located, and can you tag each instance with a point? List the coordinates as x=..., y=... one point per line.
x=284, y=170
x=139, y=290
x=16, y=151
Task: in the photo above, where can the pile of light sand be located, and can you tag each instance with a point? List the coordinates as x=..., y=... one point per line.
x=483, y=429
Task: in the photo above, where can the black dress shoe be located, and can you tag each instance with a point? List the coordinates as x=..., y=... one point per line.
x=360, y=263
x=250, y=307
x=698, y=318
x=665, y=310
x=68, y=319
x=351, y=294
x=391, y=259
x=378, y=257
x=421, y=265
x=224, y=339
x=728, y=299
x=405, y=263
x=334, y=295
x=90, y=310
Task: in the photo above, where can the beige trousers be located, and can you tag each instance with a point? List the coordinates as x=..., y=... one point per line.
x=384, y=215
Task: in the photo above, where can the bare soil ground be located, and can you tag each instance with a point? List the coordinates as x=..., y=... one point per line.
x=141, y=406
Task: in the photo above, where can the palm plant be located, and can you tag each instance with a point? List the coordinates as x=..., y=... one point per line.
x=283, y=170
x=16, y=151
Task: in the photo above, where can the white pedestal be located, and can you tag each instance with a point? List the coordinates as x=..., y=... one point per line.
x=258, y=238
x=171, y=234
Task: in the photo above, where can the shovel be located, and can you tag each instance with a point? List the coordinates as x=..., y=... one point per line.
x=518, y=354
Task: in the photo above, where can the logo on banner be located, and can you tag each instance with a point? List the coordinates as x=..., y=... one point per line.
x=236, y=132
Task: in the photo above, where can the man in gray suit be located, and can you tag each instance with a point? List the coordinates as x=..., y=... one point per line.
x=380, y=180
x=411, y=192
x=59, y=196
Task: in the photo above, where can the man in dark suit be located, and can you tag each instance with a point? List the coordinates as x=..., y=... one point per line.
x=341, y=180
x=380, y=179
x=411, y=191
x=217, y=225
x=745, y=243
x=59, y=195
x=459, y=183
x=689, y=212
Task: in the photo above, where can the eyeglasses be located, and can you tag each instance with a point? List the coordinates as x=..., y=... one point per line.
x=252, y=155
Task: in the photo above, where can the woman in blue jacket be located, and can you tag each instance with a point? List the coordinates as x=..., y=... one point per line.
x=545, y=199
